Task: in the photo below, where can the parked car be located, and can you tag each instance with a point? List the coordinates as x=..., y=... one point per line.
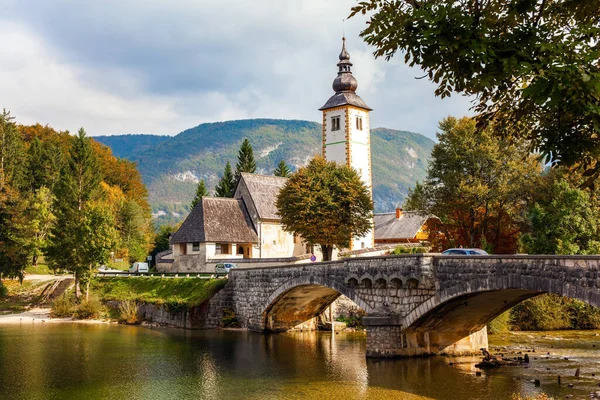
x=465, y=252
x=139, y=267
x=224, y=268
x=105, y=268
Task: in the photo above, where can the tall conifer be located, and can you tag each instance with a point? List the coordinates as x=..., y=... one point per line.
x=226, y=186
x=282, y=170
x=245, y=161
x=200, y=193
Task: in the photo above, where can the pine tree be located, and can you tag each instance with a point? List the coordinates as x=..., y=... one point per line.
x=282, y=170
x=226, y=186
x=200, y=193
x=12, y=153
x=246, y=161
x=75, y=245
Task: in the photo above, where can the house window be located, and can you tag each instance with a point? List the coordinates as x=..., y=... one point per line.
x=222, y=248
x=196, y=246
x=359, y=123
x=335, y=123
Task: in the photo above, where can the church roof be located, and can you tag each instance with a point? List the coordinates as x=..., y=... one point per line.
x=387, y=226
x=217, y=219
x=345, y=98
x=344, y=85
x=263, y=190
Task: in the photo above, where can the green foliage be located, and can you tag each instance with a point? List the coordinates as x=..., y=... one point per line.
x=161, y=239
x=128, y=312
x=245, y=161
x=84, y=234
x=15, y=243
x=175, y=292
x=45, y=160
x=542, y=313
x=64, y=306
x=325, y=203
x=89, y=308
x=499, y=324
x=40, y=219
x=532, y=63
x=226, y=186
x=409, y=250
x=3, y=291
x=229, y=319
x=132, y=225
x=200, y=193
x=12, y=154
x=282, y=170
x=478, y=185
x=564, y=220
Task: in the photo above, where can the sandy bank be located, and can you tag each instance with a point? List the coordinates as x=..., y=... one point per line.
x=42, y=316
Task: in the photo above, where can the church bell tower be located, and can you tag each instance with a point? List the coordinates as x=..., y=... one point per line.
x=346, y=132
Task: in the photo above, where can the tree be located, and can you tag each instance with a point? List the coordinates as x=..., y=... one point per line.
x=132, y=227
x=200, y=193
x=531, y=66
x=282, y=170
x=40, y=220
x=15, y=248
x=226, y=186
x=325, y=203
x=478, y=185
x=79, y=187
x=245, y=161
x=564, y=220
x=12, y=153
x=44, y=162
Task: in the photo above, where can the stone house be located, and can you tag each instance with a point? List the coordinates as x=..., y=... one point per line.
x=246, y=227
x=402, y=227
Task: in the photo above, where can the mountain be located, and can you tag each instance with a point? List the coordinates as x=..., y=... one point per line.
x=125, y=146
x=172, y=166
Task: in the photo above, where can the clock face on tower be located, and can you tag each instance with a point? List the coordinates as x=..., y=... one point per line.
x=346, y=130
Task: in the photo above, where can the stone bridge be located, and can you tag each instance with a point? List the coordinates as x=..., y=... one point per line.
x=415, y=304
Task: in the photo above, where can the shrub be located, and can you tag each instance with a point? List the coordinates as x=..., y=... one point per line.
x=229, y=319
x=128, y=312
x=64, y=306
x=409, y=250
x=89, y=308
x=3, y=291
x=500, y=324
x=542, y=313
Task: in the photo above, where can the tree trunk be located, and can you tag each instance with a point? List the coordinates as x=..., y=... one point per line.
x=77, y=287
x=87, y=290
x=327, y=251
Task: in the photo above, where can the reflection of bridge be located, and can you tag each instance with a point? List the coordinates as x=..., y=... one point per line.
x=415, y=305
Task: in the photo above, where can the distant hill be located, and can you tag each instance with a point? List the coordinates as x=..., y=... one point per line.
x=171, y=166
x=125, y=146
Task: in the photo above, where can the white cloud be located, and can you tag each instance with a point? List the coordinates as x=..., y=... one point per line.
x=155, y=67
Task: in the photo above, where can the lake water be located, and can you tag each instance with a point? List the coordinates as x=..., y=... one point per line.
x=74, y=361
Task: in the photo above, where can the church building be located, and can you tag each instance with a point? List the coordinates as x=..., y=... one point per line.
x=247, y=229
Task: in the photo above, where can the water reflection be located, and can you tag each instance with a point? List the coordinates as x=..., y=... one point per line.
x=117, y=362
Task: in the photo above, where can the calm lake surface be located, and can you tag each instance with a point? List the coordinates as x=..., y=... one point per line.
x=73, y=361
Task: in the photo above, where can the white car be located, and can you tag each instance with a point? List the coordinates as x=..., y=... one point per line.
x=139, y=267
x=224, y=268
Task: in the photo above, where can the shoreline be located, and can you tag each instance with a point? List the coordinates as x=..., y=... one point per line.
x=39, y=315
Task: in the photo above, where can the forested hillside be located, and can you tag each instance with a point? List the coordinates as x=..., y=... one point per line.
x=172, y=167
x=125, y=146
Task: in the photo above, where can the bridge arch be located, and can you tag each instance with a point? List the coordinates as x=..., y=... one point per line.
x=506, y=291
x=302, y=298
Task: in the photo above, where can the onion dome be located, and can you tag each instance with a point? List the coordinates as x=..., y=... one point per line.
x=345, y=84
x=345, y=81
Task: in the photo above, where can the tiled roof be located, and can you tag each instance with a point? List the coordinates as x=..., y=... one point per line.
x=344, y=98
x=263, y=190
x=217, y=219
x=387, y=226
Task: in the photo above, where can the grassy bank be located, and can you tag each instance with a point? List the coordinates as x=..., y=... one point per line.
x=172, y=292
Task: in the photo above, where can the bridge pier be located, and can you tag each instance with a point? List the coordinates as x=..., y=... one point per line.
x=386, y=338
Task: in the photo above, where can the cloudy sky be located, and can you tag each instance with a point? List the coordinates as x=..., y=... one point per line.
x=157, y=66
